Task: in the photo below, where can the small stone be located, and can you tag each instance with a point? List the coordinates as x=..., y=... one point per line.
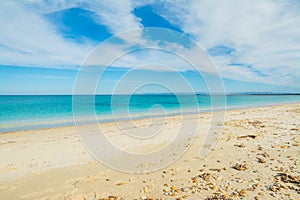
x=260, y=160
x=254, y=186
x=205, y=176
x=173, y=187
x=120, y=184
x=243, y=193
x=194, y=180
x=146, y=189
x=240, y=145
x=214, y=187
x=173, y=194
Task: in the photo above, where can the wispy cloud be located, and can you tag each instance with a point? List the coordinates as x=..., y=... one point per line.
x=26, y=38
x=264, y=34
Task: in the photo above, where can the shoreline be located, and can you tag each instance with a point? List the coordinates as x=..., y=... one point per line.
x=71, y=122
x=255, y=146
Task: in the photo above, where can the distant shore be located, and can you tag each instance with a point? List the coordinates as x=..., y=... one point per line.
x=256, y=156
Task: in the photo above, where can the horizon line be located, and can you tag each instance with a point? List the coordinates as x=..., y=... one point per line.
x=179, y=93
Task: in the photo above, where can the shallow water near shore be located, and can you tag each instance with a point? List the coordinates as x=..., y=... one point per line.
x=25, y=112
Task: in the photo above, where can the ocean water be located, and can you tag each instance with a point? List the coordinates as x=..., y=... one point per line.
x=22, y=112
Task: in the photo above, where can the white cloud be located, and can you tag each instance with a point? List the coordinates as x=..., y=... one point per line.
x=265, y=34
x=27, y=39
x=152, y=53
x=114, y=14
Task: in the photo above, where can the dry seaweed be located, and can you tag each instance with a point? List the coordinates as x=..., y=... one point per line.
x=286, y=178
x=218, y=196
x=247, y=136
x=240, y=166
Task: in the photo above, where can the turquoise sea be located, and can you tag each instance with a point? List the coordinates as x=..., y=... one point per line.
x=22, y=112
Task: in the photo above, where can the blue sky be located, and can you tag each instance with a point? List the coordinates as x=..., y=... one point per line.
x=254, y=45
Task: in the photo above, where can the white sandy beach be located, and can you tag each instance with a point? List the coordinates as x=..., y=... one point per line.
x=256, y=157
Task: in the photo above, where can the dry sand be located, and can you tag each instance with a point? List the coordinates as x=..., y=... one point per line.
x=256, y=157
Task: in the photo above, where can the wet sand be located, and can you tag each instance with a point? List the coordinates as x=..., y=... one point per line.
x=256, y=157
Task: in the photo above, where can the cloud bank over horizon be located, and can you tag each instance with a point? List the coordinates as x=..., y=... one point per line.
x=255, y=42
